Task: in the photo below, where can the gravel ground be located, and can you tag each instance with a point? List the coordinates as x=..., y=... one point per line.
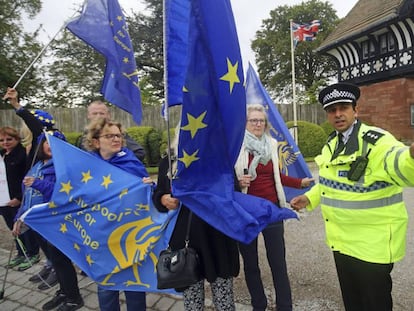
x=311, y=267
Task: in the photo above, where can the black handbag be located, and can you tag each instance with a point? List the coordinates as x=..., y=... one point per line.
x=180, y=268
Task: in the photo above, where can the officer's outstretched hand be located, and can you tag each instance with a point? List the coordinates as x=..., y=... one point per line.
x=299, y=202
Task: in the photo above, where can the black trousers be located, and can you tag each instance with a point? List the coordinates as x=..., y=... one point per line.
x=65, y=273
x=365, y=286
x=275, y=251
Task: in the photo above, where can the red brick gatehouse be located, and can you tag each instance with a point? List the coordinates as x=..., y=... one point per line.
x=373, y=47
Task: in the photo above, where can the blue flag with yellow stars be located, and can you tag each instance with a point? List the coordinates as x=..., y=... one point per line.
x=103, y=219
x=291, y=160
x=212, y=128
x=177, y=14
x=102, y=25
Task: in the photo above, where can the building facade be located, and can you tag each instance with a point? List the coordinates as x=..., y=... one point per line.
x=373, y=47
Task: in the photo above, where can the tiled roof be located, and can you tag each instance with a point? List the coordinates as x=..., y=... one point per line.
x=364, y=15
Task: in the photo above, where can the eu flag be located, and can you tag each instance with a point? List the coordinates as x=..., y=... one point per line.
x=103, y=219
x=213, y=125
x=177, y=15
x=102, y=25
x=291, y=161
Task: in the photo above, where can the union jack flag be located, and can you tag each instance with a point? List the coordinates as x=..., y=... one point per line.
x=305, y=32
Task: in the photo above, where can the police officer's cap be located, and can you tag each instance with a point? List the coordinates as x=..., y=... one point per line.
x=339, y=93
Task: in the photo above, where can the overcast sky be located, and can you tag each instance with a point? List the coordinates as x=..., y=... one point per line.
x=248, y=14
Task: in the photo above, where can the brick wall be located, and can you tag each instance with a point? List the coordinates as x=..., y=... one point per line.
x=387, y=105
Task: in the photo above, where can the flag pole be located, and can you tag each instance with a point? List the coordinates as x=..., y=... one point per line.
x=292, y=48
x=167, y=108
x=37, y=57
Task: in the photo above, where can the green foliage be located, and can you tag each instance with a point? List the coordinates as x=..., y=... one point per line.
x=71, y=137
x=146, y=32
x=327, y=127
x=77, y=71
x=19, y=48
x=153, y=141
x=311, y=138
x=272, y=47
x=164, y=140
x=141, y=135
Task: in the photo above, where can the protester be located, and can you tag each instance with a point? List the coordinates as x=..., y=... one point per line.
x=105, y=140
x=219, y=258
x=257, y=170
x=98, y=109
x=14, y=157
x=362, y=170
x=36, y=121
x=39, y=185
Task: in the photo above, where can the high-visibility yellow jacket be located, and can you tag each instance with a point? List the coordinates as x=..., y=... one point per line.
x=365, y=219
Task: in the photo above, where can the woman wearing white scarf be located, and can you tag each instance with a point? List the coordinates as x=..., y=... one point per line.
x=257, y=170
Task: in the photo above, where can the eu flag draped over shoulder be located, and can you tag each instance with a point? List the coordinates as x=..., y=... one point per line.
x=212, y=128
x=102, y=25
x=291, y=160
x=103, y=219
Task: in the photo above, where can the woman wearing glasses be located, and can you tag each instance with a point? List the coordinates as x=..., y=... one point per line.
x=106, y=141
x=257, y=170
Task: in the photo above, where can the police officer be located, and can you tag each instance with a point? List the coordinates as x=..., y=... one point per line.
x=362, y=170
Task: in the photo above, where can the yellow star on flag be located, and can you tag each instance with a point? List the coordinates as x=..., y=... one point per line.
x=63, y=228
x=106, y=181
x=123, y=192
x=125, y=60
x=89, y=260
x=188, y=159
x=195, y=124
x=52, y=204
x=76, y=246
x=86, y=176
x=231, y=75
x=119, y=18
x=66, y=187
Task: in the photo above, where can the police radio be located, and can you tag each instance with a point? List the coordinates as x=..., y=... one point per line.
x=358, y=167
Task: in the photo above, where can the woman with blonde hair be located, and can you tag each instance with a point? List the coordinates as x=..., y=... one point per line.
x=105, y=140
x=257, y=170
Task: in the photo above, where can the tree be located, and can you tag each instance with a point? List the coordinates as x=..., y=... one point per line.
x=273, y=50
x=146, y=32
x=75, y=72
x=19, y=48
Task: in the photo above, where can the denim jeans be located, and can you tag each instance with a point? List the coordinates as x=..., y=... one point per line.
x=109, y=300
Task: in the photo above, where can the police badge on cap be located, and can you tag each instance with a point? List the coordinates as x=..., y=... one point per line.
x=339, y=93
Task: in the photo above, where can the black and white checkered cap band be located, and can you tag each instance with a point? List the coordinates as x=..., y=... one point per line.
x=338, y=96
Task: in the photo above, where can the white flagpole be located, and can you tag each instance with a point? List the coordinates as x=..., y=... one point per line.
x=167, y=109
x=295, y=122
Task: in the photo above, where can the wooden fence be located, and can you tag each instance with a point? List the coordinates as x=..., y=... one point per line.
x=74, y=120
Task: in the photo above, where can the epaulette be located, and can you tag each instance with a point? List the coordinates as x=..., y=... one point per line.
x=372, y=136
